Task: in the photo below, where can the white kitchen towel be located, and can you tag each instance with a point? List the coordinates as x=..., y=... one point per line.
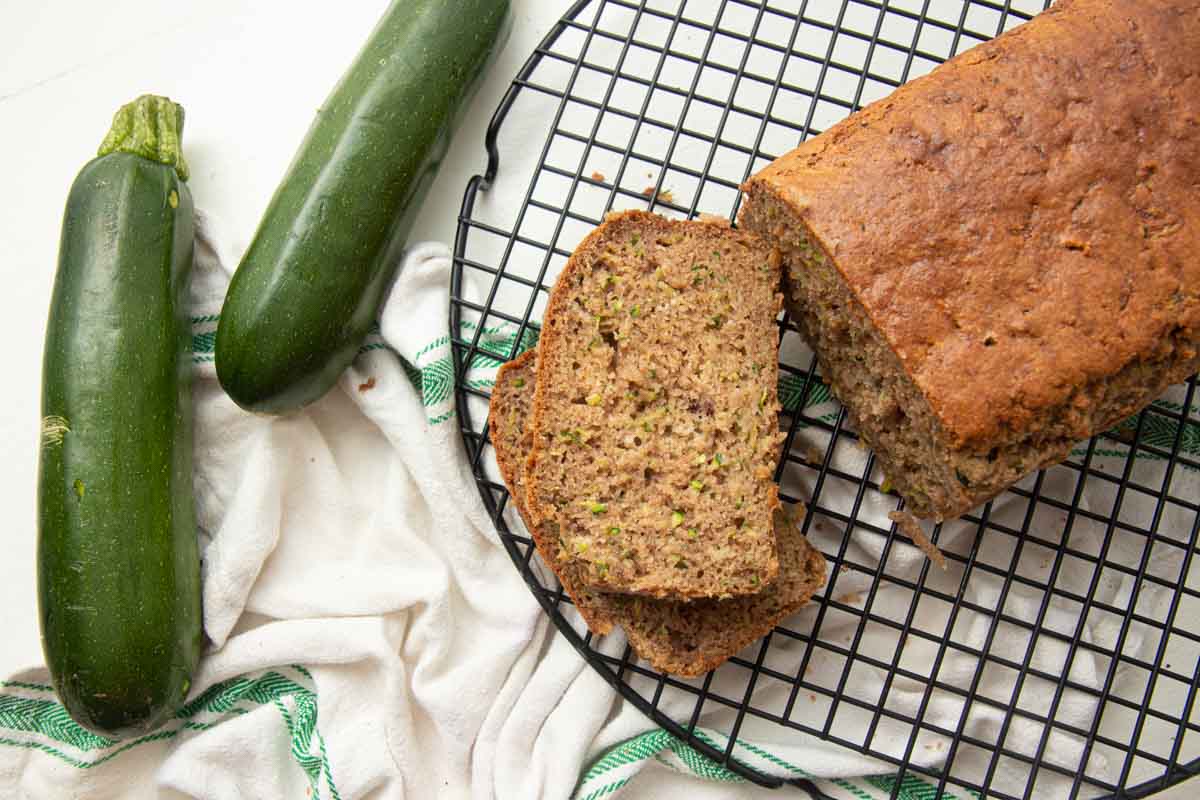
x=369, y=636
x=363, y=620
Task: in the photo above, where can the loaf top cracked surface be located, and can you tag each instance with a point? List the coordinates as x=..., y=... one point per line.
x=1023, y=222
x=656, y=412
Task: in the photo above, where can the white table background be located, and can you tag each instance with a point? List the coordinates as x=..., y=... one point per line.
x=250, y=76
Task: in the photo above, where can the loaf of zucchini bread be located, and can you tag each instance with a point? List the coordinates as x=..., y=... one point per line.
x=655, y=420
x=681, y=638
x=1003, y=257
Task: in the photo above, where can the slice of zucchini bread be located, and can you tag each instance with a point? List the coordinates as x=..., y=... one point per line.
x=686, y=639
x=1000, y=258
x=655, y=418
x=512, y=436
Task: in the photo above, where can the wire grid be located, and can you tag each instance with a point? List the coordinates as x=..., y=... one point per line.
x=664, y=118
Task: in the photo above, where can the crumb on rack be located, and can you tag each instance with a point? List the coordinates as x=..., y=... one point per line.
x=666, y=195
x=598, y=176
x=908, y=523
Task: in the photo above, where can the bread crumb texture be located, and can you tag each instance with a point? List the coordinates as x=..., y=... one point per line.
x=656, y=412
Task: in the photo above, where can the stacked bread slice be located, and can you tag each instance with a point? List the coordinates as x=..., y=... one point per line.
x=639, y=442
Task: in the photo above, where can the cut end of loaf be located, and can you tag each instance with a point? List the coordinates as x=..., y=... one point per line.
x=655, y=419
x=886, y=407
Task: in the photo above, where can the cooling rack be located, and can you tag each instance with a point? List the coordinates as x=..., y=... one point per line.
x=1058, y=653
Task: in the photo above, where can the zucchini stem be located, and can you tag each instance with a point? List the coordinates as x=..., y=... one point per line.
x=151, y=127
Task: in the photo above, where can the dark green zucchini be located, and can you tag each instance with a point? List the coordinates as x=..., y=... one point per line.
x=118, y=567
x=310, y=284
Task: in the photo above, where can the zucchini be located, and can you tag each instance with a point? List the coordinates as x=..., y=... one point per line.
x=118, y=564
x=310, y=284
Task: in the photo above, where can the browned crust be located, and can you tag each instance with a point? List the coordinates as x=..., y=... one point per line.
x=1022, y=224
x=648, y=623
x=549, y=344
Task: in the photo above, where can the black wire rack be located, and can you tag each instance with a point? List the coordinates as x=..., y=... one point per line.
x=670, y=105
